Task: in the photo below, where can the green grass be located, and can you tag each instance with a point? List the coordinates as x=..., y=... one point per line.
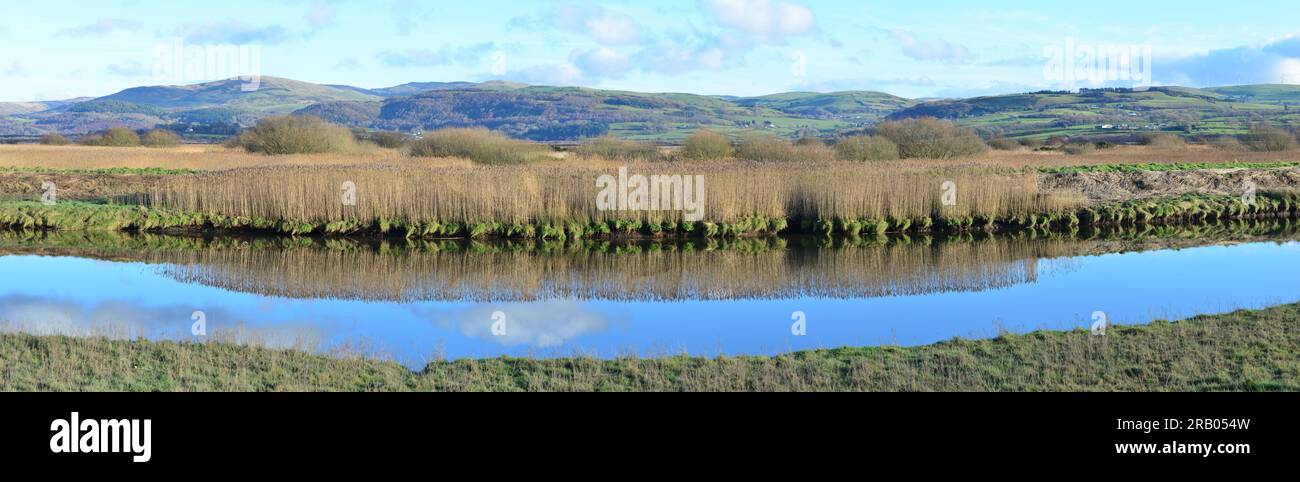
x=1240, y=351
x=1160, y=167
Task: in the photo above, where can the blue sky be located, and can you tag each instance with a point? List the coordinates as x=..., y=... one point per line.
x=54, y=50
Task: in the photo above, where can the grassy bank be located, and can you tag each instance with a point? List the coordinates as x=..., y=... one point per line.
x=1241, y=351
x=451, y=222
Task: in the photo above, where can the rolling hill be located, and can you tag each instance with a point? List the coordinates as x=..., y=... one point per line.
x=223, y=103
x=568, y=113
x=1118, y=112
x=562, y=114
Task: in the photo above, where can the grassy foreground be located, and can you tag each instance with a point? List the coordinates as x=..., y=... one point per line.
x=1241, y=351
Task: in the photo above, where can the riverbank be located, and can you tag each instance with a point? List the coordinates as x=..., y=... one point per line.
x=1188, y=208
x=1241, y=351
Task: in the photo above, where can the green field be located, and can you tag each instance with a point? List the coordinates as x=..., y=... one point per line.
x=1180, y=110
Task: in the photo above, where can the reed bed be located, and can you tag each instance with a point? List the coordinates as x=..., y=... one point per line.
x=738, y=198
x=217, y=157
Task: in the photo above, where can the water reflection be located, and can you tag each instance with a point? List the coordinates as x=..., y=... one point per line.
x=764, y=268
x=418, y=301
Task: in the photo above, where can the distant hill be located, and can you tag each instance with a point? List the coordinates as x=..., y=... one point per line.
x=223, y=102
x=415, y=88
x=1117, y=112
x=17, y=108
x=1263, y=93
x=568, y=113
x=869, y=106
x=273, y=96
x=219, y=109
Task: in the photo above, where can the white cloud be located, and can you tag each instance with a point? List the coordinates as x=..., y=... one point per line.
x=321, y=14
x=593, y=21
x=613, y=30
x=675, y=58
x=1277, y=61
x=101, y=27
x=928, y=49
x=765, y=18
x=564, y=74
x=601, y=62
x=128, y=69
x=406, y=14
x=230, y=32
x=434, y=58
x=15, y=70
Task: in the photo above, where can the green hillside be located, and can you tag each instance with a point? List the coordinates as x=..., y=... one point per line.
x=568, y=113
x=1120, y=112
x=565, y=114
x=272, y=96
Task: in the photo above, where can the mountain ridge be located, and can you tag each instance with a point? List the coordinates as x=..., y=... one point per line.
x=553, y=113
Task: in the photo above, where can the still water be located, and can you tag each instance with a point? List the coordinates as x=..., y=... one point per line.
x=415, y=302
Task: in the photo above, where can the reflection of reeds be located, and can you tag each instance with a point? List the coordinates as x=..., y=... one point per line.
x=755, y=268
x=402, y=270
x=653, y=274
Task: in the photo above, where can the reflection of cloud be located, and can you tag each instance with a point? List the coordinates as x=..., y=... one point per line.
x=545, y=324
x=123, y=320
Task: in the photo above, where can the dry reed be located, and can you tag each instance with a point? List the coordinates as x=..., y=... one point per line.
x=513, y=195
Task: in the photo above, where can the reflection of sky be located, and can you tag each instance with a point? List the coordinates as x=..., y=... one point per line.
x=80, y=296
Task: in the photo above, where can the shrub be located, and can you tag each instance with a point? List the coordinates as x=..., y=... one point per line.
x=866, y=148
x=766, y=148
x=1227, y=143
x=113, y=137
x=1003, y=144
x=1266, y=138
x=1032, y=143
x=613, y=148
x=1080, y=148
x=759, y=147
x=931, y=138
x=705, y=144
x=388, y=139
x=1056, y=141
x=479, y=145
x=1163, y=140
x=54, y=140
x=297, y=135
x=161, y=138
